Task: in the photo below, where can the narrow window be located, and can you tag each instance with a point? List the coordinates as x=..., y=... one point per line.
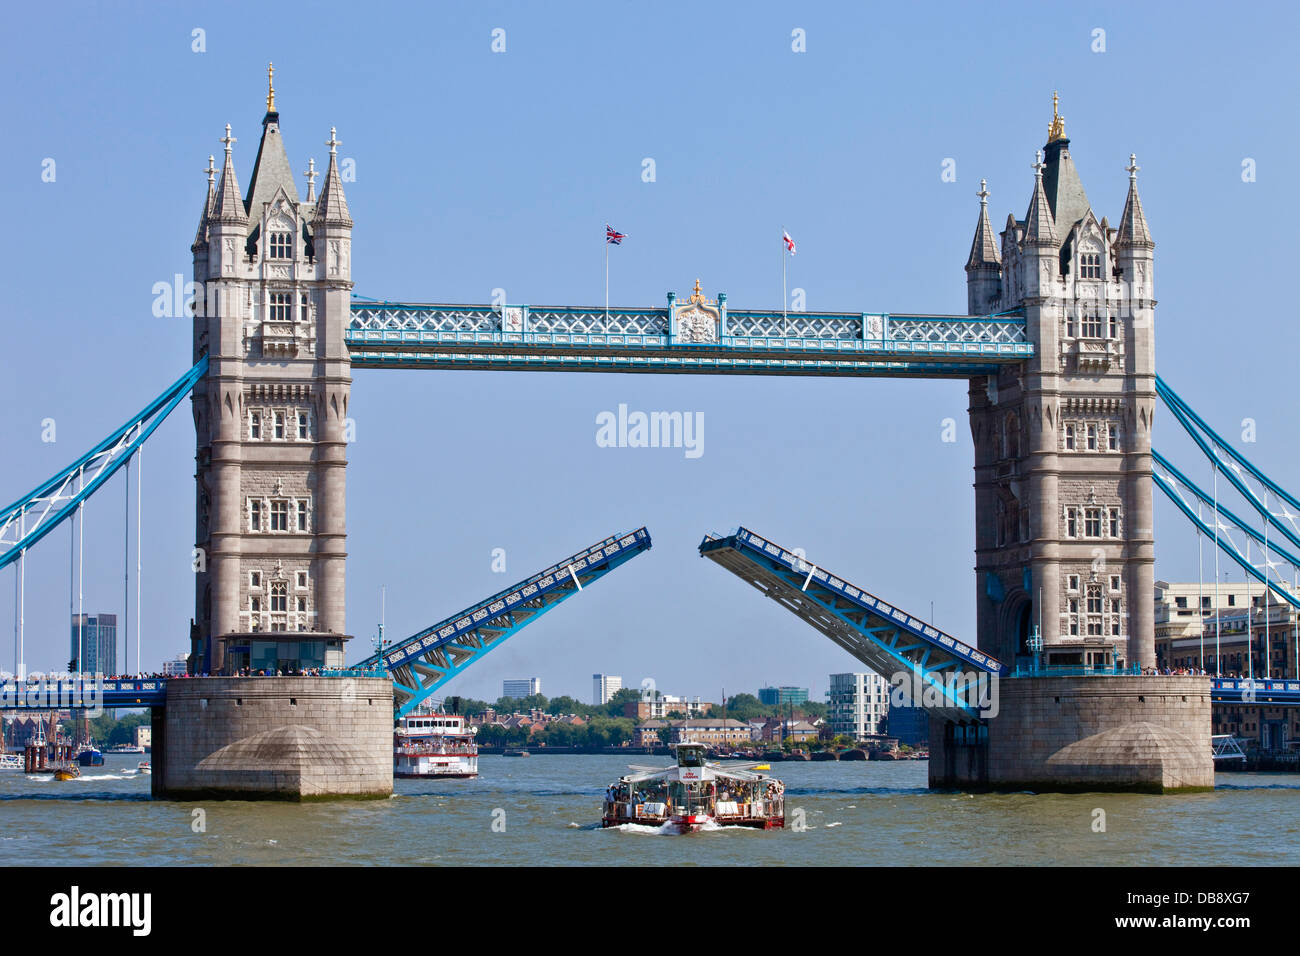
x=1113, y=515
x=302, y=516
x=1092, y=438
x=302, y=579
x=279, y=425
x=279, y=515
x=1071, y=523
x=279, y=597
x=1092, y=523
x=255, y=426
x=1069, y=437
x=255, y=515
x=302, y=425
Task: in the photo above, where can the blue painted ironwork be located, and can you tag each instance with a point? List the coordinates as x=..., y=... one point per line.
x=1244, y=691
x=562, y=338
x=36, y=514
x=1167, y=485
x=433, y=656
x=952, y=676
x=1193, y=424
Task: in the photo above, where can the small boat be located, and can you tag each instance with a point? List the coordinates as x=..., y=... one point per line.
x=67, y=771
x=694, y=794
x=515, y=753
x=144, y=767
x=89, y=756
x=10, y=762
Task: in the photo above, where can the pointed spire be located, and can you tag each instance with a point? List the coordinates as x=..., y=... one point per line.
x=229, y=207
x=1133, y=231
x=209, y=205
x=271, y=169
x=332, y=206
x=1040, y=225
x=311, y=175
x=983, y=249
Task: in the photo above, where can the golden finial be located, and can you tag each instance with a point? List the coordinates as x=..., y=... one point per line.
x=270, y=87
x=698, y=295
x=1057, y=129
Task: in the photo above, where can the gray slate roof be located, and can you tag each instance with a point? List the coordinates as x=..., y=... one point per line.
x=271, y=171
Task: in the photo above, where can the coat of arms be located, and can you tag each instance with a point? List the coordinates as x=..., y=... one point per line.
x=697, y=320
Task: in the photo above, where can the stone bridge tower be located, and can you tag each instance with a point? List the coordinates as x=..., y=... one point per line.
x=273, y=272
x=1063, y=442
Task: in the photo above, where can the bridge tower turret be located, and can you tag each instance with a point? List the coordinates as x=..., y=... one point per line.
x=1062, y=442
x=271, y=416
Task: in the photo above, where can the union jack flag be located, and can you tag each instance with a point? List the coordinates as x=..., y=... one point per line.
x=613, y=236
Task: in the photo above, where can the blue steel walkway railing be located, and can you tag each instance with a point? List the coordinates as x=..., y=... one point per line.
x=68, y=693
x=430, y=658
x=1268, y=693
x=952, y=677
x=415, y=335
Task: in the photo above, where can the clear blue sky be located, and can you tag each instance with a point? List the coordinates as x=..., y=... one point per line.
x=478, y=170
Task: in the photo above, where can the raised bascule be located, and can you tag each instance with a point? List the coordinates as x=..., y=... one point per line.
x=1057, y=347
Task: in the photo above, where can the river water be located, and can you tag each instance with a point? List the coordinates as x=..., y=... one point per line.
x=546, y=809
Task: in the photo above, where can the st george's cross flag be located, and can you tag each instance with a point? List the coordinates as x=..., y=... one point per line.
x=789, y=243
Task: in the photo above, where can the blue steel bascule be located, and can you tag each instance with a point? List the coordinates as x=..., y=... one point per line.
x=280, y=269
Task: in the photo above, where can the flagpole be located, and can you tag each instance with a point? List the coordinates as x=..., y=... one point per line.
x=607, y=282
x=785, y=324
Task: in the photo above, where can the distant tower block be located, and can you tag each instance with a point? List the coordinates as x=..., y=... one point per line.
x=271, y=415
x=1063, y=442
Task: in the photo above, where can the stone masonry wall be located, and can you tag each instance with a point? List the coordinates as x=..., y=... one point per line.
x=280, y=737
x=1086, y=733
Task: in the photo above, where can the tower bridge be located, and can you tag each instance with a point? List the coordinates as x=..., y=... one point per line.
x=1057, y=345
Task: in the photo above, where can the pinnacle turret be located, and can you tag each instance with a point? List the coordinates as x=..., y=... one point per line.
x=209, y=206
x=332, y=206
x=1040, y=224
x=229, y=207
x=1133, y=231
x=984, y=247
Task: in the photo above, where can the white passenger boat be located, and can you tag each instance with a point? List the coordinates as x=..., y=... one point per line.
x=434, y=745
x=694, y=794
x=10, y=762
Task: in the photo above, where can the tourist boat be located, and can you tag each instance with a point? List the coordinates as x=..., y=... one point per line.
x=125, y=749
x=10, y=762
x=434, y=745
x=693, y=794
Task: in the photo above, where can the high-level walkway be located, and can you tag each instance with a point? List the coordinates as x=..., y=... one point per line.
x=577, y=339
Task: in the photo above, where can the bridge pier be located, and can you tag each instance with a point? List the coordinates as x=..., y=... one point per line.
x=285, y=738
x=1070, y=734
